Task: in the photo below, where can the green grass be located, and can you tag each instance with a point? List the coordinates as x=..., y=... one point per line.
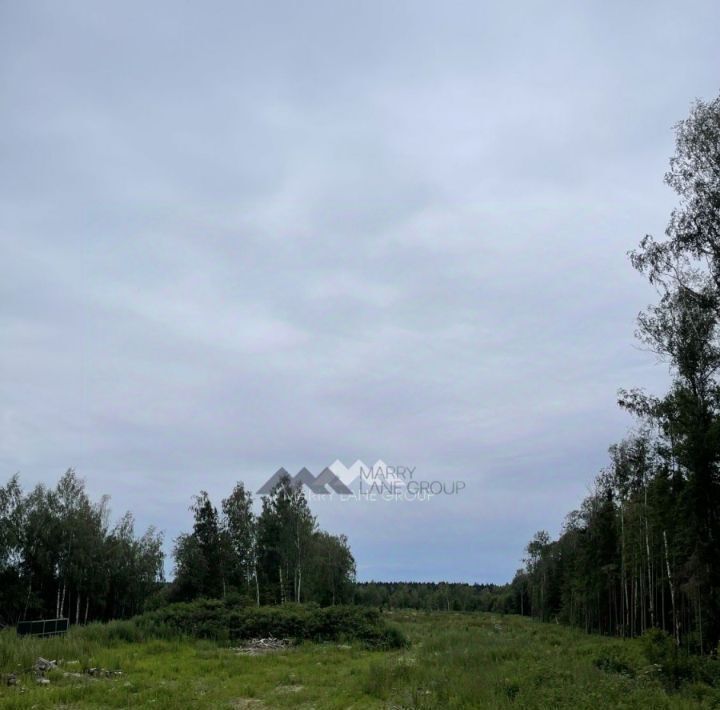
x=454, y=661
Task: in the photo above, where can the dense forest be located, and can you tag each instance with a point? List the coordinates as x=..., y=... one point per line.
x=643, y=550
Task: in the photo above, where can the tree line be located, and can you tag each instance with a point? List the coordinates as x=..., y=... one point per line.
x=61, y=557
x=436, y=596
x=643, y=549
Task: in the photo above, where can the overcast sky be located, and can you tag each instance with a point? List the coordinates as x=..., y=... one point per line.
x=238, y=236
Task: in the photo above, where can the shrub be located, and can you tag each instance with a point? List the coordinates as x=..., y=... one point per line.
x=222, y=621
x=660, y=649
x=614, y=662
x=159, y=599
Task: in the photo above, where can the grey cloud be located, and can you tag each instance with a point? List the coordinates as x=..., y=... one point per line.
x=238, y=237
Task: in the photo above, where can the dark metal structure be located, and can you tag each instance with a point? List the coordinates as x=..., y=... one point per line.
x=43, y=627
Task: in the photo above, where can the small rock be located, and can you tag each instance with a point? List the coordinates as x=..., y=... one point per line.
x=42, y=664
x=42, y=681
x=102, y=673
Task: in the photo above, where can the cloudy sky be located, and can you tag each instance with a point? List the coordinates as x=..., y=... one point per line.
x=237, y=236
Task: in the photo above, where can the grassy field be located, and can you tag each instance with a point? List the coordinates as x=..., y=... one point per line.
x=455, y=661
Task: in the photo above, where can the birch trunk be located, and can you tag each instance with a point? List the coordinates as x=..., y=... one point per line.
x=672, y=590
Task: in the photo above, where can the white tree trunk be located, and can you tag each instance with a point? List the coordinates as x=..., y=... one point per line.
x=672, y=590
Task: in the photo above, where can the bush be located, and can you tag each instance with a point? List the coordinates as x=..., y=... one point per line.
x=660, y=649
x=159, y=599
x=222, y=621
x=614, y=662
x=236, y=599
x=705, y=670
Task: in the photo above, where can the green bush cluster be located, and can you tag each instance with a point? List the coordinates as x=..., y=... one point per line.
x=659, y=654
x=614, y=662
x=675, y=665
x=661, y=650
x=220, y=621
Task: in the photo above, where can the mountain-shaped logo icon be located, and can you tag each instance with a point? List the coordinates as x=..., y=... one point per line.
x=317, y=484
x=267, y=487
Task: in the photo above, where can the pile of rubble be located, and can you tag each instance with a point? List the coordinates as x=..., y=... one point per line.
x=255, y=647
x=43, y=665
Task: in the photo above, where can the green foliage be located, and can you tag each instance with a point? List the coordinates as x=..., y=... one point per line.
x=614, y=662
x=658, y=646
x=60, y=557
x=286, y=528
x=436, y=596
x=239, y=532
x=674, y=665
x=214, y=619
x=280, y=556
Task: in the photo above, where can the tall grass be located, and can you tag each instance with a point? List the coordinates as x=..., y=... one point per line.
x=482, y=661
x=455, y=660
x=19, y=653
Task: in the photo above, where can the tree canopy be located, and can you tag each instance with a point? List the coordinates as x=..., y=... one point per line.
x=643, y=550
